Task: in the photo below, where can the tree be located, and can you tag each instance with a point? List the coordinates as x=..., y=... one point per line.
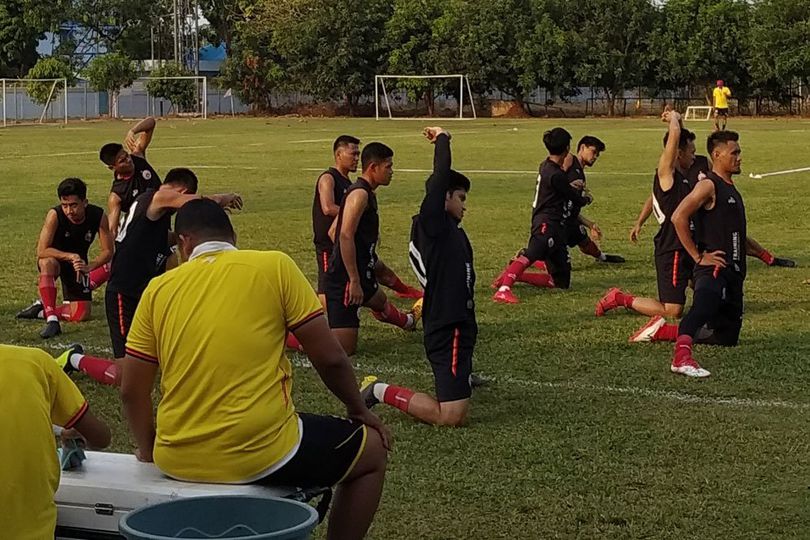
x=612, y=40
x=180, y=92
x=111, y=73
x=49, y=67
x=18, y=39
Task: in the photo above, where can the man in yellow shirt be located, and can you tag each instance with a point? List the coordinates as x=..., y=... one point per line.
x=216, y=326
x=721, y=94
x=36, y=395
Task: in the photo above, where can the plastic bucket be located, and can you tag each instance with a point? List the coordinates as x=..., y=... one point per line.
x=236, y=516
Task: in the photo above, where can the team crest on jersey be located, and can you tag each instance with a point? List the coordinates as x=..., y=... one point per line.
x=147, y=175
x=732, y=200
x=88, y=236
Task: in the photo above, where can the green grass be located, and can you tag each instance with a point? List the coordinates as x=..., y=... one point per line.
x=582, y=435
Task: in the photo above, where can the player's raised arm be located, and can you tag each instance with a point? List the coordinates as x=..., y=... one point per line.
x=139, y=137
x=701, y=195
x=354, y=205
x=666, y=163
x=432, y=211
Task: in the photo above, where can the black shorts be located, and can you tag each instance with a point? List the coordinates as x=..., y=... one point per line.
x=721, y=111
x=450, y=350
x=548, y=243
x=322, y=261
x=330, y=448
x=575, y=234
x=725, y=287
x=120, y=311
x=73, y=290
x=674, y=270
x=339, y=313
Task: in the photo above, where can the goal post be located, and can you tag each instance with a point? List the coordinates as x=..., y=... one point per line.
x=702, y=113
x=29, y=101
x=384, y=95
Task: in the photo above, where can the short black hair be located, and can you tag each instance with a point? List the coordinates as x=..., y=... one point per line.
x=590, y=140
x=557, y=141
x=375, y=152
x=72, y=186
x=720, y=137
x=108, y=153
x=684, y=140
x=344, y=140
x=182, y=176
x=203, y=218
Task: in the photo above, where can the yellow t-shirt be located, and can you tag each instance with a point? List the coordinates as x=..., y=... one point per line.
x=35, y=393
x=721, y=96
x=217, y=327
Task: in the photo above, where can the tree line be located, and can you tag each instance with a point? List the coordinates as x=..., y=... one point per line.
x=332, y=49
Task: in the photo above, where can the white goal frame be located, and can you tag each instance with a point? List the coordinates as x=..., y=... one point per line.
x=6, y=84
x=694, y=109
x=379, y=82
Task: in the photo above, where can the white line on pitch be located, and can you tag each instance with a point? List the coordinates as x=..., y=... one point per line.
x=224, y=167
x=371, y=138
x=95, y=153
x=299, y=360
x=495, y=171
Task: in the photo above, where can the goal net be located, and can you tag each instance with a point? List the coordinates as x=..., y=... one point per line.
x=423, y=96
x=702, y=113
x=34, y=101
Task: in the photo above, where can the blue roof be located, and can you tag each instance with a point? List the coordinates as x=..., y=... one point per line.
x=209, y=53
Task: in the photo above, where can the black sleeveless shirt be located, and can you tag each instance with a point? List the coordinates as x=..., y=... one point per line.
x=724, y=227
x=320, y=221
x=77, y=238
x=138, y=246
x=365, y=238
x=144, y=178
x=664, y=205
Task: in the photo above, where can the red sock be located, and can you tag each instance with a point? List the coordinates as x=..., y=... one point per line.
x=99, y=276
x=668, y=332
x=515, y=269
x=391, y=315
x=398, y=286
x=99, y=369
x=293, y=343
x=591, y=249
x=47, y=293
x=626, y=299
x=537, y=280
x=73, y=311
x=398, y=397
x=766, y=257
x=683, y=347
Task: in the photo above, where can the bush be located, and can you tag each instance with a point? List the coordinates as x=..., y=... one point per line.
x=111, y=73
x=181, y=92
x=50, y=67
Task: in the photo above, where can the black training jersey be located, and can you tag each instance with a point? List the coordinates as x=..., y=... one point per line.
x=700, y=165
x=724, y=226
x=320, y=221
x=440, y=252
x=143, y=179
x=553, y=196
x=140, y=244
x=575, y=172
x=365, y=238
x=77, y=238
x=664, y=204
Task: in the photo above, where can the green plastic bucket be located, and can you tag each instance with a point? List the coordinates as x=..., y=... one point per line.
x=223, y=516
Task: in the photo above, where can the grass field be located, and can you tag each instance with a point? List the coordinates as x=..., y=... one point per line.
x=581, y=435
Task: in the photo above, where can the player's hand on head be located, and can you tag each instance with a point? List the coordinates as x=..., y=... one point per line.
x=712, y=258
x=131, y=141
x=373, y=421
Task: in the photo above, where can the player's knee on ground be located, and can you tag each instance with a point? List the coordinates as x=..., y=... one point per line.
x=48, y=266
x=454, y=413
x=78, y=311
x=673, y=311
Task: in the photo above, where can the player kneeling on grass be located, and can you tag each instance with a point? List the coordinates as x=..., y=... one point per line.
x=37, y=396
x=216, y=326
x=64, y=241
x=442, y=257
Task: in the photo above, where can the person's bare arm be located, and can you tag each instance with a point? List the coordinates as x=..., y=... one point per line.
x=137, y=381
x=90, y=428
x=594, y=231
x=139, y=137
x=105, y=240
x=355, y=204
x=666, y=163
x=643, y=216
x=114, y=212
x=44, y=245
x=168, y=199
x=335, y=370
x=701, y=195
x=326, y=195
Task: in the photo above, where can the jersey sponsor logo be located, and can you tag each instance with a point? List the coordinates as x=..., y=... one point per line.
x=551, y=242
x=735, y=243
x=147, y=175
x=732, y=200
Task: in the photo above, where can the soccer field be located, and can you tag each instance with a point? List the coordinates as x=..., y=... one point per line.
x=581, y=434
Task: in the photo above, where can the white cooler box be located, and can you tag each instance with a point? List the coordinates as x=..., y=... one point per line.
x=92, y=498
